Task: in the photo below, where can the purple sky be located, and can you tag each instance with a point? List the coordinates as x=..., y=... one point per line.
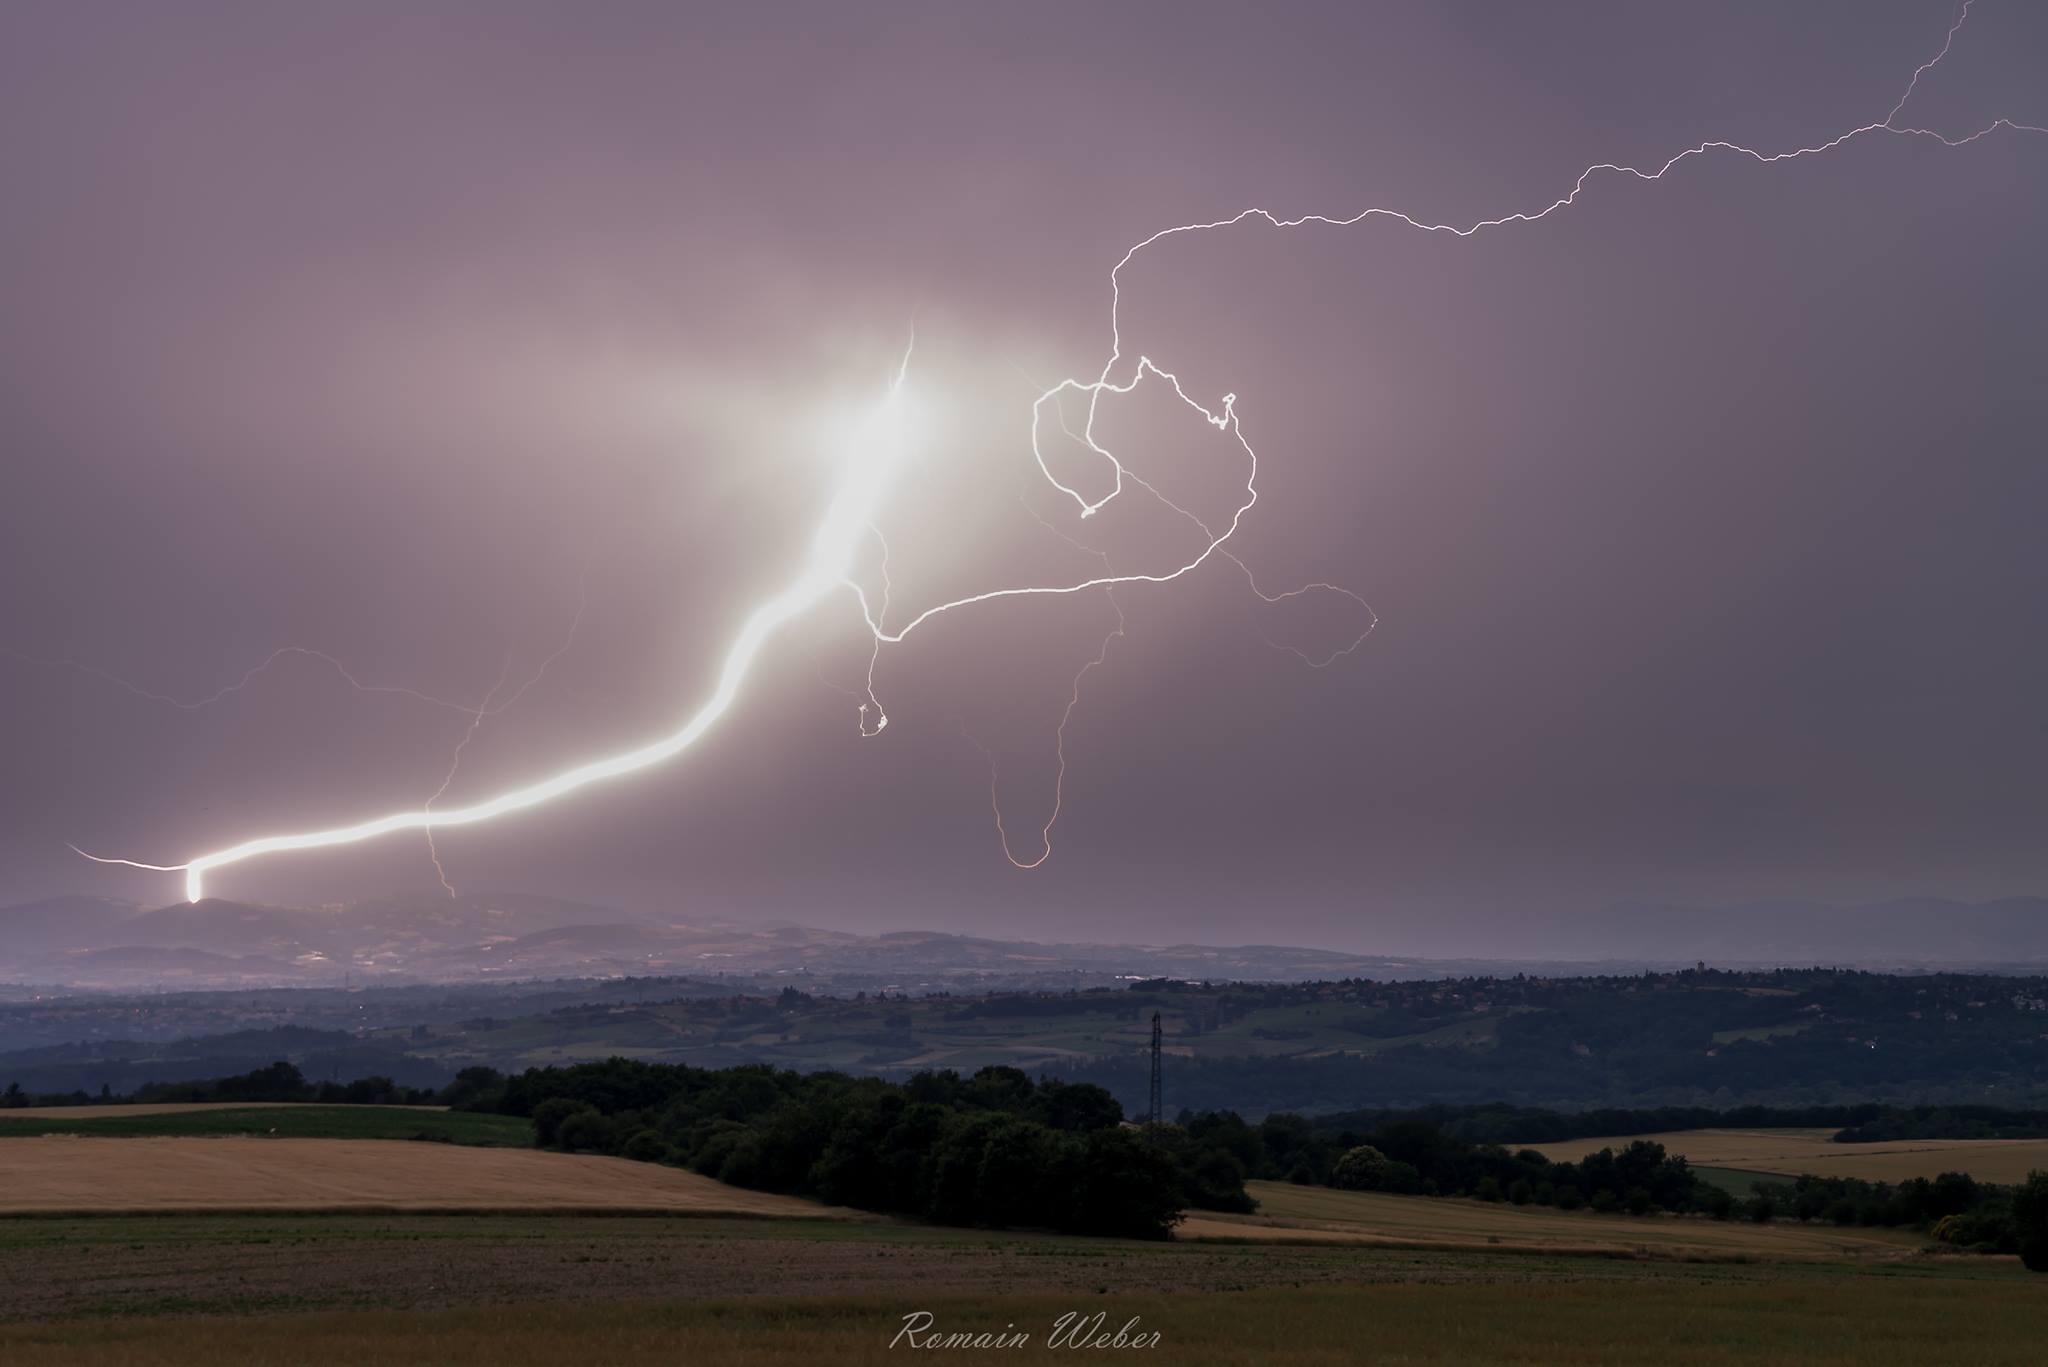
x=1703, y=518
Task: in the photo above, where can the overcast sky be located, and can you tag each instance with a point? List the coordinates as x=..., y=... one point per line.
x=1702, y=519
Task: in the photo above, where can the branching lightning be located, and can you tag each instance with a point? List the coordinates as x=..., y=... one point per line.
x=1059, y=783
x=873, y=457
x=487, y=710
x=454, y=763
x=1372, y=618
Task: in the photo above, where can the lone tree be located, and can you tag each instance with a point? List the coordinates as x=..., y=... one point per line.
x=1364, y=1168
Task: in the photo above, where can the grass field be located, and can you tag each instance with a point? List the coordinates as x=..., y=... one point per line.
x=1320, y=1213
x=67, y=1173
x=278, y=1121
x=1869, y=1323
x=1789, y=1152
x=56, y=1269
x=1318, y=1277
x=173, y=1290
x=1737, y=1181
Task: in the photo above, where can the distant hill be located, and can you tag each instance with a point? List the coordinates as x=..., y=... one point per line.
x=1917, y=931
x=94, y=943
x=88, y=943
x=124, y=1065
x=58, y=923
x=1714, y=1038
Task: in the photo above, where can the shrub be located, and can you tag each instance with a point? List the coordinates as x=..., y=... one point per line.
x=1363, y=1168
x=585, y=1131
x=549, y=1115
x=2030, y=1221
x=646, y=1147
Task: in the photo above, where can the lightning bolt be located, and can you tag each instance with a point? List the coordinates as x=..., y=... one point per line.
x=875, y=455
x=873, y=727
x=489, y=707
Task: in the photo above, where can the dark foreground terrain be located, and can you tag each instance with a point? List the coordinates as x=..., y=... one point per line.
x=519, y=1290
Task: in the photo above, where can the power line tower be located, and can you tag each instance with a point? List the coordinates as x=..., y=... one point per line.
x=1154, y=1116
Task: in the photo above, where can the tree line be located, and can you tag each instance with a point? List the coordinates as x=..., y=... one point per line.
x=999, y=1149
x=1413, y=1155
x=279, y=1081
x=996, y=1149
x=1865, y=1122
x=1953, y=1208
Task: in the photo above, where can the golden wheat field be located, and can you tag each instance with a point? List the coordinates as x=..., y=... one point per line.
x=1374, y=1218
x=1796, y=1151
x=69, y=1173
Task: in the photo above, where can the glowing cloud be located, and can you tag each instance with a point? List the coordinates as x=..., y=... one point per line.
x=873, y=456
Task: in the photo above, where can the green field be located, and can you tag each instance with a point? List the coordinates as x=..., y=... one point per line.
x=288, y=1122
x=1739, y=1182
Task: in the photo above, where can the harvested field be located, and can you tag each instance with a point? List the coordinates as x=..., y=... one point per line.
x=1791, y=1152
x=69, y=1174
x=1319, y=1214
